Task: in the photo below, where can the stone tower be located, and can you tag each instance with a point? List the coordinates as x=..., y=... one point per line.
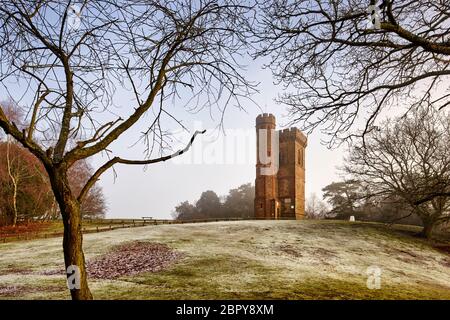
x=280, y=171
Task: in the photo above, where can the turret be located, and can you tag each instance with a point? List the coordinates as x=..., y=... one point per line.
x=266, y=186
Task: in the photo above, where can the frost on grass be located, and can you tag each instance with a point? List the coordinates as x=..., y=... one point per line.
x=305, y=259
x=132, y=259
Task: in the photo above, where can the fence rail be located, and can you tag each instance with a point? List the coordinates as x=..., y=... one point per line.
x=103, y=225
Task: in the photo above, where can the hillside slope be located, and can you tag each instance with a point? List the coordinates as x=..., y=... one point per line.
x=245, y=260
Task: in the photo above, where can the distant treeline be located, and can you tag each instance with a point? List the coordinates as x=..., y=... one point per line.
x=343, y=199
x=237, y=204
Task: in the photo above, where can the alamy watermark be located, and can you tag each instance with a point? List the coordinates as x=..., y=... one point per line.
x=230, y=147
x=373, y=277
x=73, y=277
x=268, y=157
x=74, y=17
x=374, y=21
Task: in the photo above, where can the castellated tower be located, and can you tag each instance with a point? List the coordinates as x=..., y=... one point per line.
x=280, y=174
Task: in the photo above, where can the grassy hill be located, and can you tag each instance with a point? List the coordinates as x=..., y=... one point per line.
x=245, y=260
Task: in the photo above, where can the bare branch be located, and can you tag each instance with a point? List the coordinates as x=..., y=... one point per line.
x=117, y=160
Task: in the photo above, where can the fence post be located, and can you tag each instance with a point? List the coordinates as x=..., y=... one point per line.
x=97, y=229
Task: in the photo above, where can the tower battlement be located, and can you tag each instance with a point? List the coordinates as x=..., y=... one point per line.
x=265, y=118
x=293, y=133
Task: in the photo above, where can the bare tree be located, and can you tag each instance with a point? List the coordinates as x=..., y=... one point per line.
x=315, y=208
x=344, y=62
x=64, y=61
x=409, y=159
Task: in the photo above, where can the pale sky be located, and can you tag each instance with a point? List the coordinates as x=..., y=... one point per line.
x=217, y=161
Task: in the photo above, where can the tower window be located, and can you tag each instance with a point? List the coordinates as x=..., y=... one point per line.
x=300, y=157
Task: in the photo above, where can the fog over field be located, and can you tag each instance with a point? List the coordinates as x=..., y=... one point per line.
x=222, y=159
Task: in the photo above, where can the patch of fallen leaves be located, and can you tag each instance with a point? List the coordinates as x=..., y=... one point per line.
x=16, y=270
x=18, y=290
x=10, y=290
x=52, y=272
x=128, y=259
x=131, y=259
x=290, y=250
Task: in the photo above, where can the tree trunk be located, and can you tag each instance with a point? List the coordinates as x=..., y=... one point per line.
x=427, y=230
x=73, y=237
x=15, y=204
x=13, y=180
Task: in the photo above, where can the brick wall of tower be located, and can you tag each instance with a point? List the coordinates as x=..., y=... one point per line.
x=291, y=175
